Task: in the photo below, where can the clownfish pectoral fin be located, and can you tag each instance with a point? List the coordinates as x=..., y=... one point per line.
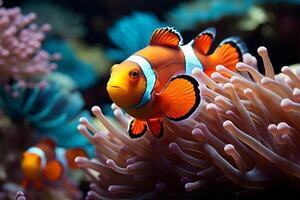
x=137, y=128
x=167, y=36
x=71, y=154
x=180, y=98
x=53, y=170
x=156, y=127
x=203, y=41
x=228, y=54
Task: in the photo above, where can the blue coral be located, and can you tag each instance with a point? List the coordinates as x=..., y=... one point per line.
x=132, y=33
x=53, y=111
x=188, y=15
x=82, y=73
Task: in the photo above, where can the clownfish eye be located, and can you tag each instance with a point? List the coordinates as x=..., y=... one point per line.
x=134, y=74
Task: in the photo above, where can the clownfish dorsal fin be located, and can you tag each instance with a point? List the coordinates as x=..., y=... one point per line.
x=168, y=37
x=203, y=41
x=71, y=154
x=48, y=142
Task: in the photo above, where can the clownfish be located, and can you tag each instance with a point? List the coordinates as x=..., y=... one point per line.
x=156, y=81
x=46, y=162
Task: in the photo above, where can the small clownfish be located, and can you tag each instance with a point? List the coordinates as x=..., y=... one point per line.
x=45, y=161
x=156, y=81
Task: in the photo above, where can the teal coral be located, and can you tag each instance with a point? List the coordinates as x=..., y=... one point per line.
x=81, y=72
x=132, y=33
x=189, y=14
x=52, y=111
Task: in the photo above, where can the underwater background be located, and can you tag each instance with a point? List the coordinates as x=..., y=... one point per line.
x=55, y=60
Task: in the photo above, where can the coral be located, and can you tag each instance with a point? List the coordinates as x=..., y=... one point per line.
x=131, y=34
x=52, y=111
x=189, y=14
x=245, y=131
x=94, y=55
x=81, y=72
x=35, y=102
x=58, y=16
x=21, y=57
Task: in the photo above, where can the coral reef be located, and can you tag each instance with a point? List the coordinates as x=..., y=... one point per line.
x=52, y=111
x=21, y=57
x=59, y=17
x=189, y=14
x=131, y=34
x=245, y=131
x=93, y=55
x=81, y=72
x=34, y=103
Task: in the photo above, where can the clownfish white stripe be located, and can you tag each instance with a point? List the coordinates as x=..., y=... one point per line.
x=191, y=60
x=40, y=153
x=60, y=156
x=149, y=75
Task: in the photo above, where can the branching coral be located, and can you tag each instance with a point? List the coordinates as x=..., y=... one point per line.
x=21, y=57
x=245, y=130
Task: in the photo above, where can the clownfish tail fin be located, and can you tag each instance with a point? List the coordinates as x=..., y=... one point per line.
x=203, y=41
x=137, y=128
x=230, y=52
x=180, y=98
x=71, y=154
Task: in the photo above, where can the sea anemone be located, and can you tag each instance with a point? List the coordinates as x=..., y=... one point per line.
x=245, y=131
x=21, y=58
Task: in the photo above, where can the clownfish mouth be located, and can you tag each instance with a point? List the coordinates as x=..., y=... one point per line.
x=114, y=87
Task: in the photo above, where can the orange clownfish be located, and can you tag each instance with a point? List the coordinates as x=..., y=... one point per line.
x=46, y=162
x=155, y=82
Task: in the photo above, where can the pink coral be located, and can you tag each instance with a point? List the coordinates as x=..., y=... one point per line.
x=246, y=129
x=21, y=56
